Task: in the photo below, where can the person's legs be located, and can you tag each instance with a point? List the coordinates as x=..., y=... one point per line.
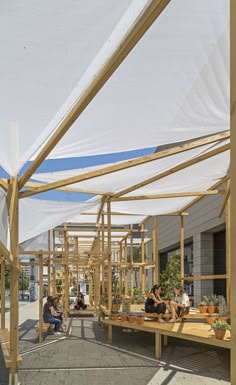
x=161, y=309
x=57, y=324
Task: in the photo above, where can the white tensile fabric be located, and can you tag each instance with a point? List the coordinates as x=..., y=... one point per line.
x=40, y=242
x=3, y=217
x=197, y=177
x=116, y=220
x=173, y=86
x=40, y=66
x=37, y=216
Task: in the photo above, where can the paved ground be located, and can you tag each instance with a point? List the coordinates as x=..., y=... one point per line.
x=83, y=357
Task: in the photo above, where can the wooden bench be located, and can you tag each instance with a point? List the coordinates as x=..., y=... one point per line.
x=197, y=332
x=89, y=311
x=5, y=345
x=45, y=327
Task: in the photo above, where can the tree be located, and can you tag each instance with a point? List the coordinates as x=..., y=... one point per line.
x=170, y=277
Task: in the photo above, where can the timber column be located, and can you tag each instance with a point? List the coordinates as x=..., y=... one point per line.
x=13, y=203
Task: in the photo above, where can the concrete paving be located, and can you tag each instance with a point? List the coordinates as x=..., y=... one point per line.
x=84, y=357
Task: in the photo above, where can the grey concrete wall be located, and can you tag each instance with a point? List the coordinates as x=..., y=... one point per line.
x=203, y=220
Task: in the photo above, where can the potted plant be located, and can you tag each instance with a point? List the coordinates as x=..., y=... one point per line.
x=104, y=300
x=202, y=306
x=124, y=317
x=131, y=317
x=126, y=305
x=140, y=319
x=223, y=309
x=211, y=307
x=210, y=319
x=116, y=302
x=220, y=328
x=114, y=314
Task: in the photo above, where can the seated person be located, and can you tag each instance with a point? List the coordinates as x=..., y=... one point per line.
x=79, y=302
x=180, y=305
x=57, y=312
x=154, y=303
x=48, y=317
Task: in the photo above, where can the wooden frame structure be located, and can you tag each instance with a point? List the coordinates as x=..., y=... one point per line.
x=14, y=186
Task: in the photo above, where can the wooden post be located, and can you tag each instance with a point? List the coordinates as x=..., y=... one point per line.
x=49, y=264
x=125, y=271
x=40, y=298
x=3, y=293
x=66, y=269
x=143, y=258
x=155, y=279
x=228, y=255
x=14, y=278
x=109, y=272
x=121, y=271
x=233, y=186
x=53, y=267
x=182, y=248
x=103, y=249
x=90, y=289
x=77, y=267
x=157, y=345
x=131, y=262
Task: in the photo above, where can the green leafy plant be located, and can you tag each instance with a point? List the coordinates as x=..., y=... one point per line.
x=170, y=277
x=223, y=309
x=220, y=325
x=114, y=310
x=126, y=305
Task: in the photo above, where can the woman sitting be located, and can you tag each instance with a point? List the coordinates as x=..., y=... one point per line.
x=57, y=312
x=154, y=303
x=48, y=317
x=79, y=303
x=180, y=305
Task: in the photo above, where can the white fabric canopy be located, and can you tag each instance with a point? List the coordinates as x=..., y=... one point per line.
x=173, y=86
x=37, y=243
x=45, y=49
x=116, y=220
x=150, y=100
x=3, y=217
x=37, y=216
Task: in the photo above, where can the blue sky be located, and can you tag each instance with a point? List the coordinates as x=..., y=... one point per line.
x=72, y=163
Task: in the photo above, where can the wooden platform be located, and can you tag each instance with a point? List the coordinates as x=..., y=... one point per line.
x=197, y=332
x=5, y=345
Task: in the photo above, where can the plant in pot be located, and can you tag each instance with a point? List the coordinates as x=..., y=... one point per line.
x=140, y=318
x=210, y=318
x=203, y=305
x=116, y=301
x=124, y=316
x=114, y=314
x=220, y=328
x=223, y=309
x=104, y=300
x=211, y=307
x=131, y=317
x=126, y=305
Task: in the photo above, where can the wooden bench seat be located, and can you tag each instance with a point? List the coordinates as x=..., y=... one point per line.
x=45, y=327
x=89, y=311
x=5, y=345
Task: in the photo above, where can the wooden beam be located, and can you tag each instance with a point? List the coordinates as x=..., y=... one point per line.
x=131, y=163
x=172, y=170
x=66, y=188
x=227, y=194
x=155, y=278
x=167, y=195
x=145, y=20
x=202, y=277
x=3, y=184
x=228, y=249
x=213, y=187
x=9, y=257
x=233, y=187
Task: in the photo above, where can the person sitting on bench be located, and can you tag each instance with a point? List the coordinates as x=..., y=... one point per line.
x=80, y=304
x=180, y=305
x=48, y=317
x=154, y=303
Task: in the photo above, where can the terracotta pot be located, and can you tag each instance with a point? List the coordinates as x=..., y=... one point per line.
x=140, y=320
x=132, y=319
x=210, y=320
x=115, y=317
x=223, y=319
x=123, y=317
x=219, y=334
x=217, y=309
x=211, y=309
x=202, y=309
